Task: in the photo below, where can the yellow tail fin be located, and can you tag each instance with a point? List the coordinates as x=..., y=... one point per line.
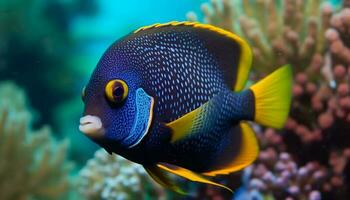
x=273, y=97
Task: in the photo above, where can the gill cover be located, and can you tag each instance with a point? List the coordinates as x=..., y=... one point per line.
x=142, y=121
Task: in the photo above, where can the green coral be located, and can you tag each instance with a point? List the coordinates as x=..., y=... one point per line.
x=33, y=164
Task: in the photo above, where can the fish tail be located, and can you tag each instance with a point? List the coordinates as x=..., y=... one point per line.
x=272, y=97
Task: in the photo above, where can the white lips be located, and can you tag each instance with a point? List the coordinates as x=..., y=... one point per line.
x=91, y=126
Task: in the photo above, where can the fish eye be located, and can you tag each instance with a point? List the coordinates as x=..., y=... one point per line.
x=83, y=93
x=116, y=91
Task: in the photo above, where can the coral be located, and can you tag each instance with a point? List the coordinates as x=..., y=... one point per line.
x=113, y=177
x=279, y=32
x=33, y=164
x=320, y=111
x=299, y=164
x=339, y=36
x=278, y=174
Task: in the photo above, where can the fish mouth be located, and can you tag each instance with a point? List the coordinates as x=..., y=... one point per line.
x=91, y=126
x=142, y=121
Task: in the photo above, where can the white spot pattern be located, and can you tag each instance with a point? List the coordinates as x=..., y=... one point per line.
x=176, y=66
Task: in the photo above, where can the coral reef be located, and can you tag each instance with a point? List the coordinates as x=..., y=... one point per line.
x=277, y=175
x=338, y=36
x=319, y=126
x=113, y=177
x=279, y=32
x=33, y=164
x=310, y=156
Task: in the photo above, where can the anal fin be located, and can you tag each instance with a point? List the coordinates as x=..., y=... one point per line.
x=190, y=175
x=247, y=154
x=160, y=177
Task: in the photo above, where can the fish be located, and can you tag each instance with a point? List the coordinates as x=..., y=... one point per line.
x=173, y=97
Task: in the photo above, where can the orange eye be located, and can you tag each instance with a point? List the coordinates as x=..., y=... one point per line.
x=116, y=91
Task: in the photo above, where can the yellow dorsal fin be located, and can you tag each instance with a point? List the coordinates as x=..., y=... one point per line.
x=245, y=58
x=189, y=175
x=172, y=23
x=247, y=154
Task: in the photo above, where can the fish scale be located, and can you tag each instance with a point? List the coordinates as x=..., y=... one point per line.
x=159, y=58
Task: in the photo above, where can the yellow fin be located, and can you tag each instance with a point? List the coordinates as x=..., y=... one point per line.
x=247, y=154
x=245, y=59
x=244, y=65
x=160, y=177
x=189, y=175
x=273, y=97
x=183, y=126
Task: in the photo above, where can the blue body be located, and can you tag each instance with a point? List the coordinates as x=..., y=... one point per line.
x=181, y=71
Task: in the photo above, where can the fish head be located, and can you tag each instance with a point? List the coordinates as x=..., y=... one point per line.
x=117, y=110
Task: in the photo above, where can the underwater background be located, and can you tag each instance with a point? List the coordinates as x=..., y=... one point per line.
x=48, y=50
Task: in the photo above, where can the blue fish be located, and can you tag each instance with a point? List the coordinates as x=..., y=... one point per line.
x=172, y=98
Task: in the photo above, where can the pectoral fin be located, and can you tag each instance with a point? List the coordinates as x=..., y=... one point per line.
x=183, y=126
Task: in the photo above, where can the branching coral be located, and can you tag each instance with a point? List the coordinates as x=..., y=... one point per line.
x=33, y=165
x=317, y=132
x=113, y=177
x=279, y=175
x=339, y=36
x=279, y=32
x=320, y=112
